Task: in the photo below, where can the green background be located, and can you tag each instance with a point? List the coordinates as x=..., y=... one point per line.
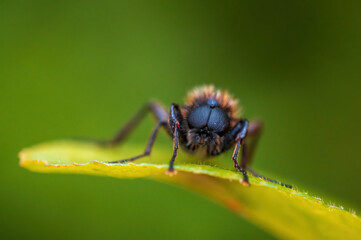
x=82, y=68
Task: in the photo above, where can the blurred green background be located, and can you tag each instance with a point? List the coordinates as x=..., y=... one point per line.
x=82, y=68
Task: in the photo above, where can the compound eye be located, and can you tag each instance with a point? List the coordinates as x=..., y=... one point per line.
x=198, y=118
x=218, y=120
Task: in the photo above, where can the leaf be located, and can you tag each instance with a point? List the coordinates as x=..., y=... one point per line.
x=285, y=213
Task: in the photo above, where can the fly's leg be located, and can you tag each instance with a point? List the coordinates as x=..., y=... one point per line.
x=246, y=135
x=241, y=141
x=175, y=126
x=267, y=178
x=148, y=148
x=158, y=111
x=162, y=118
x=254, y=133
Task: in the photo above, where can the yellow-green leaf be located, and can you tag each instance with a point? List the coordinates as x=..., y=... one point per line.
x=286, y=213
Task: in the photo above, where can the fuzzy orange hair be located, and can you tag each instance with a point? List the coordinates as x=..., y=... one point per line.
x=200, y=95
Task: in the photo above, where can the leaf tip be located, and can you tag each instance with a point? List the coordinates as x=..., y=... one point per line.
x=22, y=157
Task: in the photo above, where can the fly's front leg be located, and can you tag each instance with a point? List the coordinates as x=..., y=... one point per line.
x=175, y=127
x=241, y=141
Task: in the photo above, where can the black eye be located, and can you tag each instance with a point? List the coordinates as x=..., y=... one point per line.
x=218, y=120
x=198, y=118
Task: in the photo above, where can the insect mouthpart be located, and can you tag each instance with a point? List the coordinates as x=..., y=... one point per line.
x=199, y=136
x=198, y=139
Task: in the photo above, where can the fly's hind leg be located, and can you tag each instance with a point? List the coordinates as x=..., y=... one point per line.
x=148, y=148
x=159, y=113
x=162, y=120
x=254, y=132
